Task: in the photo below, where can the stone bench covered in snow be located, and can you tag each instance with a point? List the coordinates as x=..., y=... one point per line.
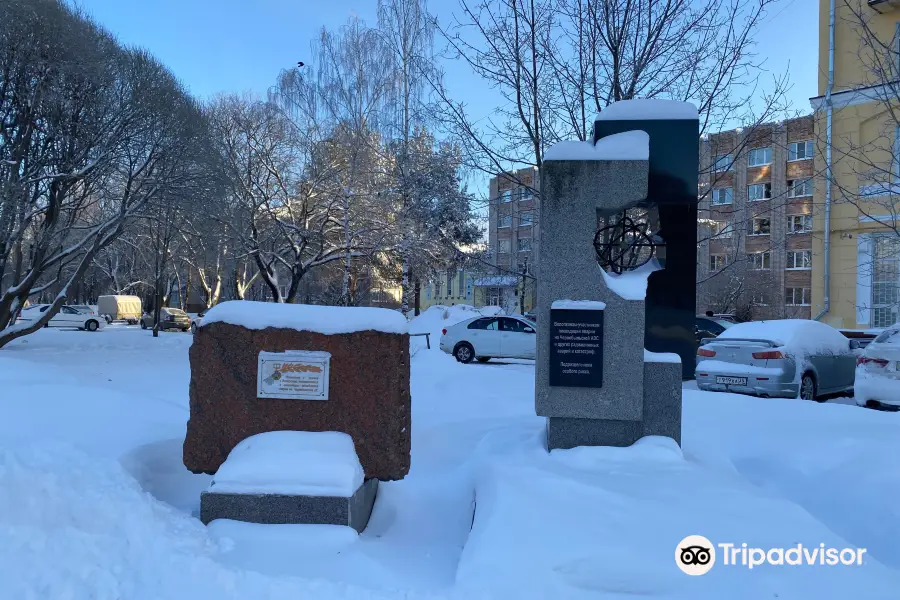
x=291, y=477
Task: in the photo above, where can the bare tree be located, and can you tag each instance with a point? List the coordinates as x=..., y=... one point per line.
x=85, y=144
x=280, y=209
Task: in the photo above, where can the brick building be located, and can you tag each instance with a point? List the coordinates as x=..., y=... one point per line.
x=755, y=220
x=512, y=240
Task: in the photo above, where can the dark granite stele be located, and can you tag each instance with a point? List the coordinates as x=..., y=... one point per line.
x=280, y=509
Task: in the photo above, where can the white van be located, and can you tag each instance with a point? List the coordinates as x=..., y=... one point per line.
x=120, y=308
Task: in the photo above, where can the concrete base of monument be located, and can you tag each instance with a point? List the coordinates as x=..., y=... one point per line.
x=272, y=509
x=661, y=415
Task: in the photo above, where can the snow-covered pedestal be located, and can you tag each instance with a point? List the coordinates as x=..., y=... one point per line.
x=292, y=477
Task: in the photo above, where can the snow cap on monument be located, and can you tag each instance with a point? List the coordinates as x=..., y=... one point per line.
x=653, y=109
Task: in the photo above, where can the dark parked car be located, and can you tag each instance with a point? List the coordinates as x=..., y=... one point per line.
x=169, y=318
x=709, y=327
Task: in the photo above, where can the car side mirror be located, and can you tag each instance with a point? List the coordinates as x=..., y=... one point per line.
x=529, y=330
x=854, y=345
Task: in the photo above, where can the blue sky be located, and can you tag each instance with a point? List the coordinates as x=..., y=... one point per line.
x=235, y=45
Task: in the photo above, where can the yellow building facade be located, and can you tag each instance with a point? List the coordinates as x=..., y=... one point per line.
x=856, y=267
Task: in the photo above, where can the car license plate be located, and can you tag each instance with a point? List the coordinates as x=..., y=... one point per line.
x=731, y=380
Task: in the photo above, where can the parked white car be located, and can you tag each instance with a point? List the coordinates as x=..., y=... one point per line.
x=878, y=371
x=85, y=308
x=66, y=317
x=195, y=321
x=484, y=338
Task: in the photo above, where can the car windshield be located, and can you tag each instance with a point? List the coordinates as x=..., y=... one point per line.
x=175, y=311
x=891, y=336
x=723, y=323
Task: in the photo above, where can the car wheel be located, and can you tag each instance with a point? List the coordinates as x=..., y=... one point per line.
x=808, y=387
x=108, y=319
x=193, y=328
x=92, y=325
x=143, y=324
x=184, y=329
x=483, y=359
x=464, y=352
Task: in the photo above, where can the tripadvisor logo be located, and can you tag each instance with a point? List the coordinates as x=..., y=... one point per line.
x=696, y=555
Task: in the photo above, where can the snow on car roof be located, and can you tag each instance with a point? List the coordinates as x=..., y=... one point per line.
x=797, y=335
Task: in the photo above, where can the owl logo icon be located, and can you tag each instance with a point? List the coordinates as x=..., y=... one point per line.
x=695, y=555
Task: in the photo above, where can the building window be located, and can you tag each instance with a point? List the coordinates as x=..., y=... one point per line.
x=759, y=191
x=524, y=244
x=895, y=159
x=462, y=284
x=506, y=196
x=761, y=226
x=885, y=280
x=799, y=188
x=799, y=223
x=720, y=229
x=525, y=193
x=797, y=297
x=717, y=262
x=760, y=299
x=761, y=260
x=449, y=284
x=525, y=218
x=759, y=157
x=504, y=246
x=722, y=196
x=723, y=162
x=504, y=221
x=799, y=259
x=800, y=150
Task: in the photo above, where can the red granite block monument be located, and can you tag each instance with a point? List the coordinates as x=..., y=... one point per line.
x=261, y=367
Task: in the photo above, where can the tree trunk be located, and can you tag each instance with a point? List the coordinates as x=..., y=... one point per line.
x=157, y=307
x=418, y=297
x=405, y=289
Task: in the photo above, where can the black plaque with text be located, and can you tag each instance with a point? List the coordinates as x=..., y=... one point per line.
x=576, y=348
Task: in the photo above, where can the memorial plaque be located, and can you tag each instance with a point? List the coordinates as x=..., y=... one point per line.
x=576, y=348
x=293, y=375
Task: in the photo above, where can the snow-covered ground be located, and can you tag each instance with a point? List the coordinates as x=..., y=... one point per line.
x=95, y=502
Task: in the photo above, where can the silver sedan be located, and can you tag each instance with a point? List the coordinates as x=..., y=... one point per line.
x=785, y=359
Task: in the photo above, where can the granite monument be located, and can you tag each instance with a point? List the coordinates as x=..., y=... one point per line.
x=613, y=299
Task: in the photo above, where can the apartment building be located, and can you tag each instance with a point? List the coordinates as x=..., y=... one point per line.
x=856, y=274
x=755, y=250
x=450, y=288
x=512, y=240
